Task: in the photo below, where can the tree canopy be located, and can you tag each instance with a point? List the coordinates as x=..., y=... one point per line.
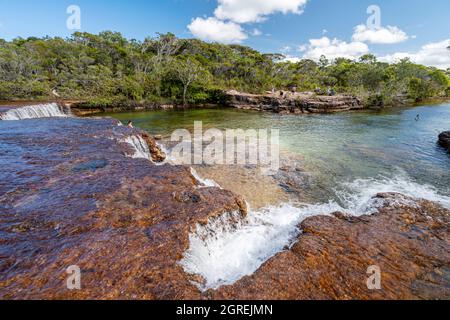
x=108, y=68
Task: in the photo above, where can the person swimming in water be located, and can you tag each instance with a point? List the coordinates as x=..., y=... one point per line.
x=418, y=117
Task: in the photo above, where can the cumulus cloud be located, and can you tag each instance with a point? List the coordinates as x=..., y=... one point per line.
x=388, y=35
x=226, y=25
x=434, y=54
x=246, y=11
x=333, y=49
x=213, y=29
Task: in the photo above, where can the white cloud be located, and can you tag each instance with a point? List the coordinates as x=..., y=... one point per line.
x=388, y=35
x=246, y=11
x=286, y=49
x=291, y=59
x=225, y=26
x=256, y=32
x=433, y=54
x=212, y=29
x=333, y=49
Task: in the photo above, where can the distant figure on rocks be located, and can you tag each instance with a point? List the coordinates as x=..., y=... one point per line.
x=130, y=124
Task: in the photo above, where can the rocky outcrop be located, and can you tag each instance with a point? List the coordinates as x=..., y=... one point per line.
x=70, y=196
x=444, y=140
x=155, y=150
x=289, y=102
x=407, y=239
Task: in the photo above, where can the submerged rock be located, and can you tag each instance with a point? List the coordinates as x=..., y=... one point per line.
x=293, y=102
x=444, y=140
x=407, y=239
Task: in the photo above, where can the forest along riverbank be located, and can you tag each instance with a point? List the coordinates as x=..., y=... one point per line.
x=85, y=192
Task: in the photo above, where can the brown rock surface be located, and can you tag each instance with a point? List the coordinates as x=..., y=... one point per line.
x=297, y=103
x=409, y=240
x=69, y=195
x=157, y=154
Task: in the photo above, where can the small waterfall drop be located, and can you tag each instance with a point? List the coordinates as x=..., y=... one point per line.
x=141, y=149
x=48, y=110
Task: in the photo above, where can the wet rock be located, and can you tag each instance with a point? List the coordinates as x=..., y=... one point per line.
x=92, y=165
x=119, y=223
x=285, y=102
x=444, y=140
x=408, y=239
x=157, y=154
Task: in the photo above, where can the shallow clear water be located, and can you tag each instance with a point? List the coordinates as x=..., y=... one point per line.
x=337, y=148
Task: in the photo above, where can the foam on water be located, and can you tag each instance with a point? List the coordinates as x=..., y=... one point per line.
x=224, y=251
x=49, y=110
x=357, y=196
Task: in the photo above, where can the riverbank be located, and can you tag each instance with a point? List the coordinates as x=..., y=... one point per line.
x=282, y=102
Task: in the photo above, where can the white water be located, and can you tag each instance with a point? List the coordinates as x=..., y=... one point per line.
x=204, y=182
x=49, y=110
x=223, y=252
x=141, y=149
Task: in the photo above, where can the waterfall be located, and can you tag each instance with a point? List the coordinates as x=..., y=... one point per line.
x=224, y=251
x=141, y=149
x=49, y=110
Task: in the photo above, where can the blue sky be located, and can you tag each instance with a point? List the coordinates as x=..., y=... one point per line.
x=260, y=24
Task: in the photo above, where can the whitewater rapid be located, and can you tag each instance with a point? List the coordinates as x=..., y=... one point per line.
x=223, y=252
x=48, y=110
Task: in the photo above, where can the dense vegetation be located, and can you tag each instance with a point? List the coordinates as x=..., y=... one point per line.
x=109, y=69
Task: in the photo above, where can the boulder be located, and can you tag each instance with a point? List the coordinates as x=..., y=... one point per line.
x=444, y=140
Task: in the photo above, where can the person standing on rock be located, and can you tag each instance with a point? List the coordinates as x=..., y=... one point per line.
x=130, y=124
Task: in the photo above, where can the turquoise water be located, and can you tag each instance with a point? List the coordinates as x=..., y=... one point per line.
x=338, y=148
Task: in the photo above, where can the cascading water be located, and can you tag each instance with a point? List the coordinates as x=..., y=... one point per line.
x=204, y=182
x=141, y=149
x=49, y=110
x=223, y=251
